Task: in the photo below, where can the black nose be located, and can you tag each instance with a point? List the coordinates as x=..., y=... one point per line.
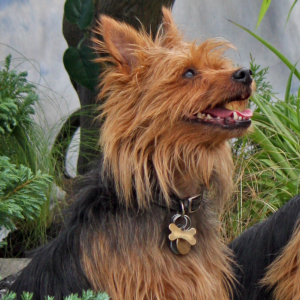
x=243, y=75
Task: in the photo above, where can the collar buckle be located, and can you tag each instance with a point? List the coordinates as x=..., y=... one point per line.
x=190, y=200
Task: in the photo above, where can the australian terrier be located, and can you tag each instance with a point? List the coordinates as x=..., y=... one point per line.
x=144, y=223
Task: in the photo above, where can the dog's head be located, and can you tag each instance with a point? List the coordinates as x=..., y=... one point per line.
x=170, y=107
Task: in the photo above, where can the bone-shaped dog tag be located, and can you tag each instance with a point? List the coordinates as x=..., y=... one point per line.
x=178, y=233
x=181, y=240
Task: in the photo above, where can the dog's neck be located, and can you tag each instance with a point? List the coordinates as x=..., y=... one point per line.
x=195, y=171
x=175, y=169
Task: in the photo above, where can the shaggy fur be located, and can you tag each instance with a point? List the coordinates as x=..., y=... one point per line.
x=156, y=152
x=284, y=273
x=269, y=258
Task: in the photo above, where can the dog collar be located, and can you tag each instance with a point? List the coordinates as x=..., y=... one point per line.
x=189, y=205
x=184, y=206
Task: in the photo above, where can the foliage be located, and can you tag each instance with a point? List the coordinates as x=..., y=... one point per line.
x=268, y=160
x=264, y=8
x=17, y=97
x=19, y=134
x=80, y=66
x=21, y=193
x=86, y=295
x=79, y=61
x=24, y=156
x=80, y=12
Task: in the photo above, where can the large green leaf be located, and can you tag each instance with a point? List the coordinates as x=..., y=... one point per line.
x=264, y=7
x=80, y=12
x=80, y=66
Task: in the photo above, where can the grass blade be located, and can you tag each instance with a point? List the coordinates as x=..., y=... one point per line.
x=271, y=47
x=288, y=90
x=298, y=106
x=259, y=137
x=290, y=11
x=264, y=106
x=264, y=8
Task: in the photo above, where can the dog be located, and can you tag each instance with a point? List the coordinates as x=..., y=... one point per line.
x=268, y=257
x=144, y=222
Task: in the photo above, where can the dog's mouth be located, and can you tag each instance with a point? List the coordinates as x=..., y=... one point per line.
x=224, y=117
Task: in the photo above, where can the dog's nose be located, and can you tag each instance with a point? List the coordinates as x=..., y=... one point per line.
x=243, y=75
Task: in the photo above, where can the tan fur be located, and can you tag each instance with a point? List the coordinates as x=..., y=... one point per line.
x=284, y=273
x=149, y=142
x=142, y=268
x=148, y=101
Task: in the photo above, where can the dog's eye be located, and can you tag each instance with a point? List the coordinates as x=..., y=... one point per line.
x=190, y=73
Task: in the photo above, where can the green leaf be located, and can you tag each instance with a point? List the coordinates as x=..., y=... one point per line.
x=80, y=12
x=26, y=296
x=264, y=7
x=80, y=66
x=288, y=89
x=290, y=11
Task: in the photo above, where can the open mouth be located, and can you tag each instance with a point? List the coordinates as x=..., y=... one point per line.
x=226, y=118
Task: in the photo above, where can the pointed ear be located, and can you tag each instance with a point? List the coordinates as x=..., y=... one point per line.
x=121, y=41
x=171, y=35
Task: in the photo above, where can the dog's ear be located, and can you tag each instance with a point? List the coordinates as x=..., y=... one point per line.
x=170, y=33
x=121, y=41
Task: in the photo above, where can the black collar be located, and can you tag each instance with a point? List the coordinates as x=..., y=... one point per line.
x=184, y=206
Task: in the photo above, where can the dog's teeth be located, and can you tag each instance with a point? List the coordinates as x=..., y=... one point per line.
x=235, y=115
x=200, y=116
x=208, y=117
x=218, y=118
x=241, y=118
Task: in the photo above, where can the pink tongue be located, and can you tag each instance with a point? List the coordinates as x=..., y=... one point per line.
x=225, y=113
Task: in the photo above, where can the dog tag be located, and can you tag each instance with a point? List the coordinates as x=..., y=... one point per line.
x=183, y=246
x=181, y=238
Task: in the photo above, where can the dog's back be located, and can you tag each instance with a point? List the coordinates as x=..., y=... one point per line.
x=257, y=249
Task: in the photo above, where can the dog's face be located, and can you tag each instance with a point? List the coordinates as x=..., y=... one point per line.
x=170, y=83
x=167, y=100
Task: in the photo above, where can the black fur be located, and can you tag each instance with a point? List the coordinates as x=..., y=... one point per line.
x=258, y=247
x=55, y=269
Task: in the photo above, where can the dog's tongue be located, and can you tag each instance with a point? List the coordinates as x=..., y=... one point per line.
x=225, y=113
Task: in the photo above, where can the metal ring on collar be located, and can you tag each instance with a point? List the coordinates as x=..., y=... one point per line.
x=187, y=219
